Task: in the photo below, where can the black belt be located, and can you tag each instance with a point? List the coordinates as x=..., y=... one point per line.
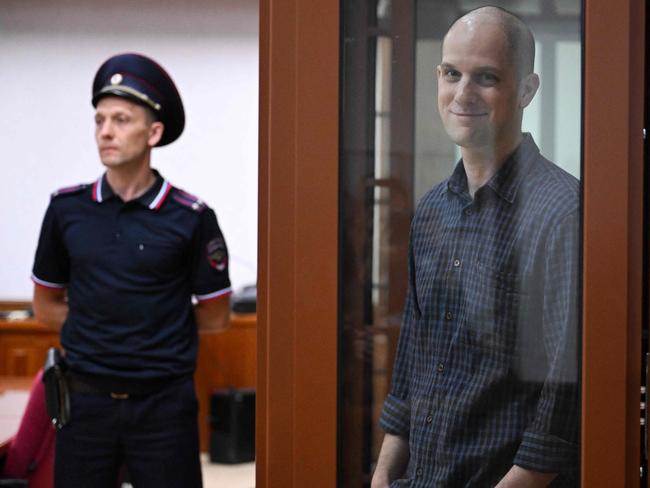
x=88, y=384
x=78, y=386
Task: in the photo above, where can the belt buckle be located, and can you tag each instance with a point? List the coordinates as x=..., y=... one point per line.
x=119, y=396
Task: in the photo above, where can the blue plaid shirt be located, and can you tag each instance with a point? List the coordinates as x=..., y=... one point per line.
x=487, y=367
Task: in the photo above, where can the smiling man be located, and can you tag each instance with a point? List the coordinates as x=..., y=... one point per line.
x=485, y=383
x=119, y=264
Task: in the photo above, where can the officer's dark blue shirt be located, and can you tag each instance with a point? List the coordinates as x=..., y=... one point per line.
x=131, y=270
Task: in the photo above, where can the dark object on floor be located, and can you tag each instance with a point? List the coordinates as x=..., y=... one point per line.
x=232, y=424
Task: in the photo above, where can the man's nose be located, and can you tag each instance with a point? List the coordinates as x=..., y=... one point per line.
x=105, y=129
x=465, y=91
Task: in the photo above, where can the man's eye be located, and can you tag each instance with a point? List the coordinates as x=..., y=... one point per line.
x=487, y=79
x=451, y=74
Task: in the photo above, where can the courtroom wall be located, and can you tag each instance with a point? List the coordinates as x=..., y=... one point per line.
x=49, y=52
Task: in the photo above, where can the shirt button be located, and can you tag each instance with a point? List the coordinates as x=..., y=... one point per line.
x=117, y=235
x=449, y=315
x=429, y=419
x=440, y=368
x=418, y=472
x=468, y=211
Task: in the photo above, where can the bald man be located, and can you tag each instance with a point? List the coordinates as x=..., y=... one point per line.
x=485, y=383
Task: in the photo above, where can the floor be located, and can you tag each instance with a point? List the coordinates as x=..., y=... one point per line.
x=223, y=475
x=227, y=475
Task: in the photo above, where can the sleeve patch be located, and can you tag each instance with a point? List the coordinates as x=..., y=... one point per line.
x=217, y=254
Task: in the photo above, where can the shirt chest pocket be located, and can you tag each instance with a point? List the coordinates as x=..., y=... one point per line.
x=157, y=258
x=492, y=301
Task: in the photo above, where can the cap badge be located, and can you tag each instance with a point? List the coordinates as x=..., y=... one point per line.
x=116, y=79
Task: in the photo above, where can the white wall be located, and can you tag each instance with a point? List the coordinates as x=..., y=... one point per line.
x=49, y=53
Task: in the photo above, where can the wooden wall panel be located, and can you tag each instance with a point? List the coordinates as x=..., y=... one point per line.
x=23, y=346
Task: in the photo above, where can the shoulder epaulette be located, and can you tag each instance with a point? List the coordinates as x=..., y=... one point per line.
x=188, y=200
x=69, y=190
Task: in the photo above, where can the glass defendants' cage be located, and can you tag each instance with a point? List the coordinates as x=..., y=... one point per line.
x=349, y=142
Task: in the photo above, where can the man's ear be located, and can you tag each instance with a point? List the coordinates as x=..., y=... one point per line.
x=528, y=87
x=155, y=133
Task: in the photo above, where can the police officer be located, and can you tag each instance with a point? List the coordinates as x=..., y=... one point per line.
x=127, y=267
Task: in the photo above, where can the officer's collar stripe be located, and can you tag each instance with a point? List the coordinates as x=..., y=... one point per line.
x=160, y=197
x=97, y=190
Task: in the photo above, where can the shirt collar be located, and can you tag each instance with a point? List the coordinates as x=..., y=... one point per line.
x=153, y=198
x=506, y=181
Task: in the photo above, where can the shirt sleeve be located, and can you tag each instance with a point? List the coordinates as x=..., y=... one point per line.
x=210, y=279
x=396, y=413
x=550, y=444
x=52, y=263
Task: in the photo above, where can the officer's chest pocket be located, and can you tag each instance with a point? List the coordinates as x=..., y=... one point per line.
x=156, y=258
x=493, y=300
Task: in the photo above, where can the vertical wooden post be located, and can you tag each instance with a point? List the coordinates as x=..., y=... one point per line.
x=613, y=223
x=298, y=244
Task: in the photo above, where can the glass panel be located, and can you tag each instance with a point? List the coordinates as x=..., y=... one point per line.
x=486, y=375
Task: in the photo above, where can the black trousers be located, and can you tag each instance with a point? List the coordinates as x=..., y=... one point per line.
x=155, y=436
